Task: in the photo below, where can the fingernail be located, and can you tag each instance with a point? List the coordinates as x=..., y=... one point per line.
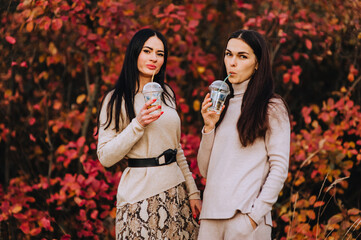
x=154, y=100
x=194, y=216
x=159, y=106
x=161, y=112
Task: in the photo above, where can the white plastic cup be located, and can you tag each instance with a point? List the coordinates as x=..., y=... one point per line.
x=219, y=91
x=153, y=90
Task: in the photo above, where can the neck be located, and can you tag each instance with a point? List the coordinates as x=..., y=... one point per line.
x=240, y=88
x=142, y=81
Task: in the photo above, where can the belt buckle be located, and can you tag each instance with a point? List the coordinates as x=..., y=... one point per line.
x=168, y=156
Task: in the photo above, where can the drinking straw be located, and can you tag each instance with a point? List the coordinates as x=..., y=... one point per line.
x=219, y=89
x=153, y=75
x=227, y=77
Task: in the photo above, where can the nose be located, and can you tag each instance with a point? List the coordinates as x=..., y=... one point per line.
x=233, y=62
x=154, y=57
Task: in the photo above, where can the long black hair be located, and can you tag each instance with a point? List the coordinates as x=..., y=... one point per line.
x=127, y=85
x=253, y=121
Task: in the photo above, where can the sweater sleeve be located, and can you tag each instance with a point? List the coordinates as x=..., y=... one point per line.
x=277, y=142
x=192, y=189
x=113, y=146
x=204, y=152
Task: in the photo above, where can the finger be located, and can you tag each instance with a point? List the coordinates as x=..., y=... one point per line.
x=152, y=117
x=206, y=99
x=152, y=109
x=205, y=107
x=148, y=103
x=194, y=211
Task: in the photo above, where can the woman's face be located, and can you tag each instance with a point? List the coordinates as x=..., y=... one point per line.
x=151, y=57
x=240, y=61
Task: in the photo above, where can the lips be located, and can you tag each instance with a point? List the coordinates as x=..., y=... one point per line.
x=232, y=73
x=151, y=66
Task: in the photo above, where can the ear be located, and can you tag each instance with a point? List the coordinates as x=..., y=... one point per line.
x=256, y=67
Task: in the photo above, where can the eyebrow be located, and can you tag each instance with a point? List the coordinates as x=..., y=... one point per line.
x=238, y=52
x=152, y=49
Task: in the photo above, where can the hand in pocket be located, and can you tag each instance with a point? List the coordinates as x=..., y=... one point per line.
x=253, y=223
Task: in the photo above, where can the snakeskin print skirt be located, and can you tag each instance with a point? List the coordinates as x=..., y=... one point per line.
x=164, y=216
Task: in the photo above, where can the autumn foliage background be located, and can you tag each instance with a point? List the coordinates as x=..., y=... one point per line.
x=59, y=57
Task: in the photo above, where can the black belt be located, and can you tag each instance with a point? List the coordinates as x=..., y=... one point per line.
x=167, y=157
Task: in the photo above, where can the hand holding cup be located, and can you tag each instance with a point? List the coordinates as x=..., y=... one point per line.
x=210, y=117
x=149, y=113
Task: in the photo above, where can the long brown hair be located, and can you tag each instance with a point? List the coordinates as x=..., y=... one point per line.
x=253, y=121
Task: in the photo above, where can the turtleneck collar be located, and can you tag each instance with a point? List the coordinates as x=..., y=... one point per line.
x=240, y=88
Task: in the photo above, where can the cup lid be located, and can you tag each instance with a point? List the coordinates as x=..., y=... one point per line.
x=152, y=87
x=219, y=85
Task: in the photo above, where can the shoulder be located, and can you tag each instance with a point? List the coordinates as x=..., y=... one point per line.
x=170, y=95
x=169, y=90
x=277, y=108
x=107, y=96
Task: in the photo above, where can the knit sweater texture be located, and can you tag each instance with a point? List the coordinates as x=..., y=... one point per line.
x=246, y=179
x=135, y=141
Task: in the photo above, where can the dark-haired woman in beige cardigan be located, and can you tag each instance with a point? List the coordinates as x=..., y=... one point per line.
x=157, y=193
x=244, y=152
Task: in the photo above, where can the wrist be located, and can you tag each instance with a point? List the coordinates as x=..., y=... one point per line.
x=207, y=129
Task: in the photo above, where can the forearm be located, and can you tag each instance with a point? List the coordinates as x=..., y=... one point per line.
x=113, y=147
x=192, y=189
x=204, y=152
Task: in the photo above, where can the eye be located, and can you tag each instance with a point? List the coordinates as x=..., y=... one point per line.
x=146, y=50
x=161, y=54
x=228, y=54
x=243, y=56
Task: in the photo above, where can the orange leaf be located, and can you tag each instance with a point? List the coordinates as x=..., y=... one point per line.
x=57, y=105
x=319, y=203
x=35, y=231
x=311, y=214
x=17, y=208
x=335, y=219
x=312, y=199
x=113, y=213
x=30, y=27
x=80, y=98
x=286, y=77
x=353, y=211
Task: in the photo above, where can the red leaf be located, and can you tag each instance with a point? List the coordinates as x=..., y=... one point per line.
x=80, y=142
x=66, y=237
x=56, y=24
x=25, y=227
x=10, y=39
x=23, y=64
x=45, y=223
x=94, y=214
x=32, y=121
x=193, y=23
x=308, y=44
x=286, y=77
x=32, y=138
x=92, y=36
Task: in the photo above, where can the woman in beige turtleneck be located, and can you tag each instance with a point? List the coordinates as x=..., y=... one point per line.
x=244, y=152
x=153, y=201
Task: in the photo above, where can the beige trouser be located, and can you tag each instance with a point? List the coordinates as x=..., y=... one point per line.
x=236, y=228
